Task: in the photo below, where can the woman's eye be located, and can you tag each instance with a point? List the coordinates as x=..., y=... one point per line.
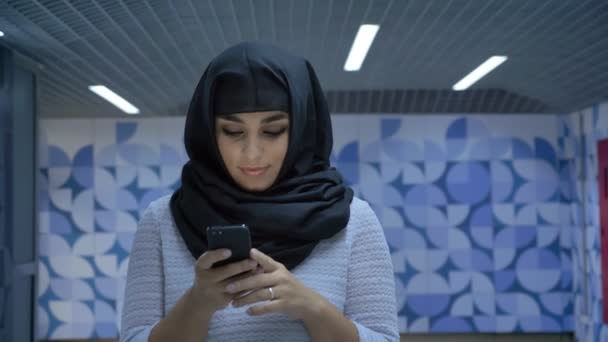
x=231, y=133
x=275, y=132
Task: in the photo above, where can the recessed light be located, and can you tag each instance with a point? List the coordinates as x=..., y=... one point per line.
x=114, y=99
x=479, y=72
x=363, y=41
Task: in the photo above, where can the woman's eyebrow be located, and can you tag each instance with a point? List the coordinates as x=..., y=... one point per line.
x=231, y=118
x=275, y=117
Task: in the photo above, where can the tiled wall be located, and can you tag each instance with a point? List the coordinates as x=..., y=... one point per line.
x=472, y=208
x=587, y=280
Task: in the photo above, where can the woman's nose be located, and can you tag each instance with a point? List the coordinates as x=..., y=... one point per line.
x=253, y=149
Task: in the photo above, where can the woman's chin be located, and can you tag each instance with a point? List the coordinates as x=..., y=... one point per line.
x=254, y=187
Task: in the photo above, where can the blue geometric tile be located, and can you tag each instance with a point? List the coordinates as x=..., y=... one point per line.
x=57, y=157
x=452, y=324
x=545, y=151
x=389, y=127
x=124, y=131
x=457, y=130
x=521, y=150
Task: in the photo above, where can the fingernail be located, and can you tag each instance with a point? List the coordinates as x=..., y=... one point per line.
x=231, y=288
x=227, y=253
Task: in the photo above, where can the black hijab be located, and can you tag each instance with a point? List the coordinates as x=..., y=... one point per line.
x=307, y=203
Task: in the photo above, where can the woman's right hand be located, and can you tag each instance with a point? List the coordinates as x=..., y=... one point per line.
x=209, y=288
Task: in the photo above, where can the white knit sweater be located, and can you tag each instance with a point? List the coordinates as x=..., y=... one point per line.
x=352, y=270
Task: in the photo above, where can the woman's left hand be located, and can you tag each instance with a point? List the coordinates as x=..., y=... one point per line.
x=279, y=287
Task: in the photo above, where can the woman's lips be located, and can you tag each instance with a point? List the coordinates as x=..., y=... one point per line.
x=255, y=171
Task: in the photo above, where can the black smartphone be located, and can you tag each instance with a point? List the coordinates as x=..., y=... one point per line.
x=233, y=237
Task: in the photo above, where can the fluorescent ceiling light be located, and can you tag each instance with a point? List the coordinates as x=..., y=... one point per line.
x=361, y=44
x=114, y=99
x=479, y=72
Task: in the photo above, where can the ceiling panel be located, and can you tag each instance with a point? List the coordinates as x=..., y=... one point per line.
x=153, y=52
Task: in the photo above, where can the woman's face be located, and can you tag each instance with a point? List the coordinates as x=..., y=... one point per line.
x=253, y=146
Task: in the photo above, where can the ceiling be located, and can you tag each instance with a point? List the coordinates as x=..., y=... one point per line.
x=152, y=52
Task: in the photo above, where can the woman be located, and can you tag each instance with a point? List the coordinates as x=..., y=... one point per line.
x=258, y=135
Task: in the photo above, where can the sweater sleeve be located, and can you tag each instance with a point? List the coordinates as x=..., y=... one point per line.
x=371, y=301
x=143, y=301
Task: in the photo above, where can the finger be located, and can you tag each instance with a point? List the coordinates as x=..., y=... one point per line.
x=233, y=269
x=241, y=276
x=207, y=259
x=244, y=275
x=256, y=296
x=266, y=308
x=264, y=260
x=256, y=271
x=252, y=283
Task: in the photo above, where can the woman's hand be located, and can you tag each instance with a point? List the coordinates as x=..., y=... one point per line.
x=209, y=288
x=287, y=295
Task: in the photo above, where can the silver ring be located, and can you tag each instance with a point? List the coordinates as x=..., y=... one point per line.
x=271, y=293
